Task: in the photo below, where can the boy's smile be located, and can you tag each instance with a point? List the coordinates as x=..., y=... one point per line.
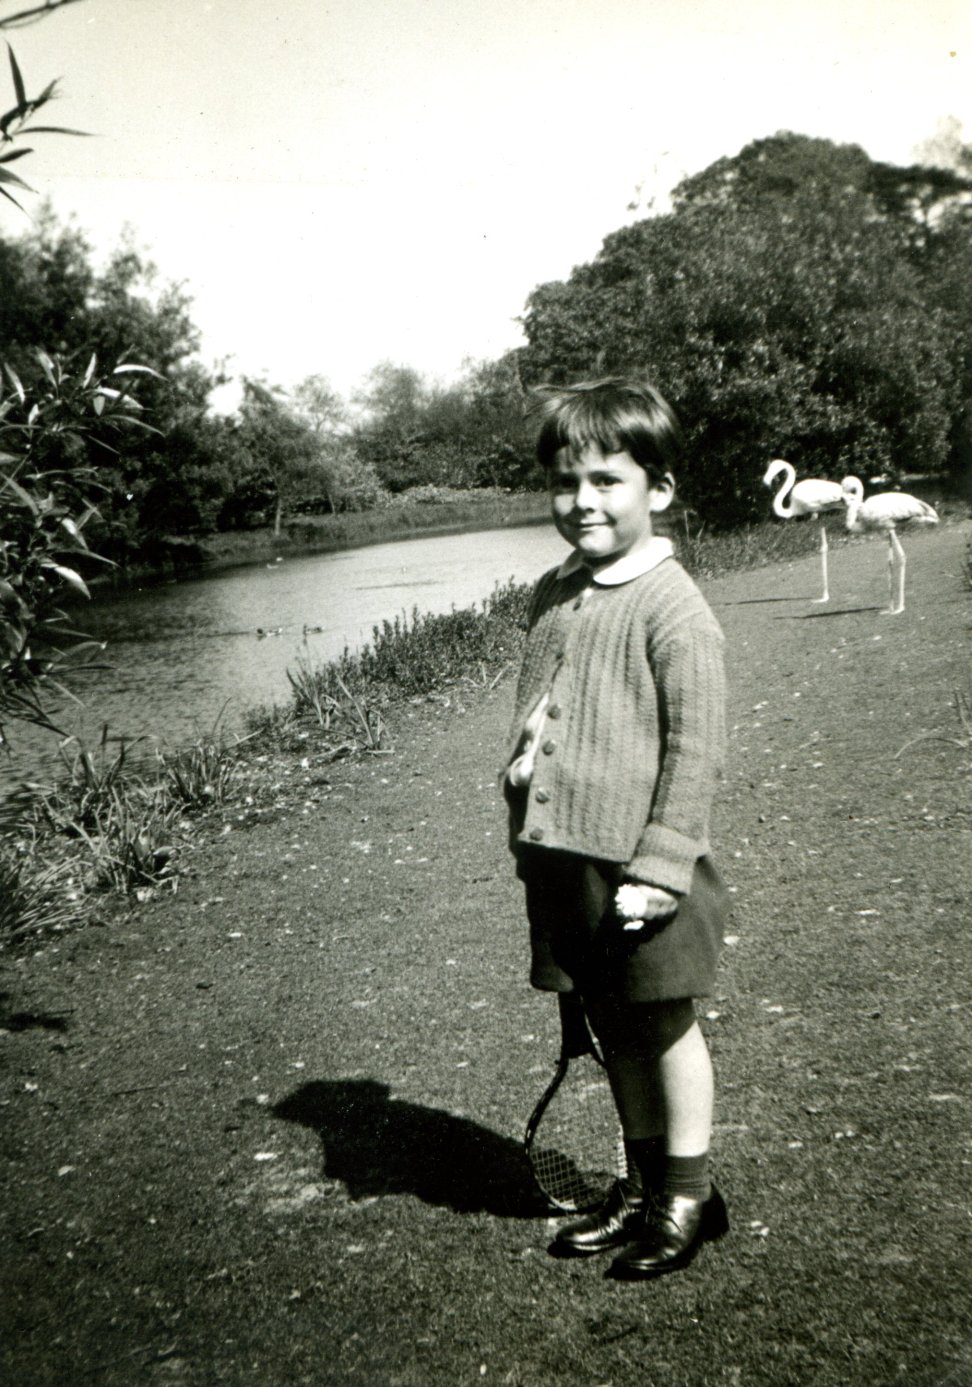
x=602, y=504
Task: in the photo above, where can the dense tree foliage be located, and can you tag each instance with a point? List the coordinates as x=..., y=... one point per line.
x=464, y=435
x=52, y=298
x=789, y=304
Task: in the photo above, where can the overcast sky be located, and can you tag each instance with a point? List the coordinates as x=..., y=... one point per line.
x=341, y=182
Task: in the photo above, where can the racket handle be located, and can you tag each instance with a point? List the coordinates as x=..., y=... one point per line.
x=575, y=1036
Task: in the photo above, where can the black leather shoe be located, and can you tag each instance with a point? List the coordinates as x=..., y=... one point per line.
x=674, y=1229
x=615, y=1223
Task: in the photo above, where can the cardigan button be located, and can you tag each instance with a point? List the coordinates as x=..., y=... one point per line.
x=549, y=747
x=536, y=834
x=554, y=711
x=542, y=796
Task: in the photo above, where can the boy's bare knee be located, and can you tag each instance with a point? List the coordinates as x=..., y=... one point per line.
x=640, y=1029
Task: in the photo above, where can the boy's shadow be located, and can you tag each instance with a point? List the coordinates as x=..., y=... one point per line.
x=377, y=1144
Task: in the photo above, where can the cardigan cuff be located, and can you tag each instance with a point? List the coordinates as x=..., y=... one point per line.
x=665, y=858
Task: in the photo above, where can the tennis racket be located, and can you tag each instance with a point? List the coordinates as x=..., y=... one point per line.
x=572, y=1141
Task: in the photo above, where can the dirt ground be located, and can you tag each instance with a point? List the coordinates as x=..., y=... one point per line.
x=266, y=1129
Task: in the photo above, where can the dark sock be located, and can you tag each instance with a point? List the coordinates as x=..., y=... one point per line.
x=646, y=1162
x=688, y=1175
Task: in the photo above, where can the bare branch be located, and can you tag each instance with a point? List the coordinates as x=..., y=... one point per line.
x=33, y=13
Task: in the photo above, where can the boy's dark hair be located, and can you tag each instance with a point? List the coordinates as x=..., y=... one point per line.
x=613, y=415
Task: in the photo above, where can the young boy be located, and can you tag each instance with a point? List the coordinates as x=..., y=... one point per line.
x=619, y=727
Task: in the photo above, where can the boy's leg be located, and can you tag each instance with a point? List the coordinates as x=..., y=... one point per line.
x=660, y=1071
x=687, y=1211
x=685, y=1072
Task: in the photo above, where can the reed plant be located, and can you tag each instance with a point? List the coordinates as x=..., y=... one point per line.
x=350, y=721
x=120, y=816
x=203, y=774
x=109, y=819
x=37, y=895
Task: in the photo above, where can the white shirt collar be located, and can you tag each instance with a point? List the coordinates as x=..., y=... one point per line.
x=628, y=566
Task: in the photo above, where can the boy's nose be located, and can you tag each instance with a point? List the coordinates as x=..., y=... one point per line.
x=585, y=497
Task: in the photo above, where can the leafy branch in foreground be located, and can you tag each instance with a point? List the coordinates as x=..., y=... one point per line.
x=45, y=506
x=17, y=122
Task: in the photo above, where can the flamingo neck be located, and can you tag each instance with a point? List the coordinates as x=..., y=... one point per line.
x=780, y=506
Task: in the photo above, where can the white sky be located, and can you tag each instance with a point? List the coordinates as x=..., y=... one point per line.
x=341, y=182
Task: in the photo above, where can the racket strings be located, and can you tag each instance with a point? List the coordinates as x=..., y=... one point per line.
x=575, y=1149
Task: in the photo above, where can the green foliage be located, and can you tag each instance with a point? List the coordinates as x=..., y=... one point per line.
x=118, y=821
x=37, y=896
x=470, y=434
x=295, y=457
x=107, y=822
x=410, y=657
x=19, y=121
x=782, y=310
x=201, y=775
x=430, y=651
x=53, y=301
x=172, y=480
x=45, y=508
x=349, y=721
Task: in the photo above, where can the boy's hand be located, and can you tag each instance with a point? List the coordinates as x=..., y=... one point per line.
x=635, y=903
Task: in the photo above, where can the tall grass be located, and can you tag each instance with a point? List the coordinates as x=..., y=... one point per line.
x=37, y=895
x=111, y=820
x=408, y=657
x=706, y=554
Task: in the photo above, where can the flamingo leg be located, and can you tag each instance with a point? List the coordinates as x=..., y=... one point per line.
x=896, y=576
x=897, y=603
x=823, y=559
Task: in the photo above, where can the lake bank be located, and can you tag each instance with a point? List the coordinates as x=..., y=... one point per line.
x=305, y=536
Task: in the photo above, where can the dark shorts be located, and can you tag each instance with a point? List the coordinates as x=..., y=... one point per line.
x=578, y=943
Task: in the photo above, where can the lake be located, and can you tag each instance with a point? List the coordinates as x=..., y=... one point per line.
x=185, y=652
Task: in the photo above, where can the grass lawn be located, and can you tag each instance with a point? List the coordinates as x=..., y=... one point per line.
x=265, y=1130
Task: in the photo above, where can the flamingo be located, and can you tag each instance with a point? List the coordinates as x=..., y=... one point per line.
x=886, y=512
x=812, y=497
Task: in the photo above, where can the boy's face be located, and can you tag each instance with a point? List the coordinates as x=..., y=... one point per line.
x=603, y=503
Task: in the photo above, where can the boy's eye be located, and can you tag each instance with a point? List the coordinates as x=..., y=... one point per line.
x=599, y=480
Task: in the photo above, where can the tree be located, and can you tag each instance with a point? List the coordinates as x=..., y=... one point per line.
x=62, y=304
x=391, y=436
x=280, y=449
x=319, y=403
x=469, y=434
x=349, y=482
x=780, y=308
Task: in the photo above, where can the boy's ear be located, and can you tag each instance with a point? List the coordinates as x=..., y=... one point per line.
x=662, y=493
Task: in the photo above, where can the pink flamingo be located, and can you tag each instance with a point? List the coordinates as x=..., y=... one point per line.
x=813, y=497
x=887, y=511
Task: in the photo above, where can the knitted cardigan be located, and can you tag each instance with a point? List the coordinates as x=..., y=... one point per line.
x=634, y=732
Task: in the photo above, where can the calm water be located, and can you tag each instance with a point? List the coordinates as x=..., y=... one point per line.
x=182, y=652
